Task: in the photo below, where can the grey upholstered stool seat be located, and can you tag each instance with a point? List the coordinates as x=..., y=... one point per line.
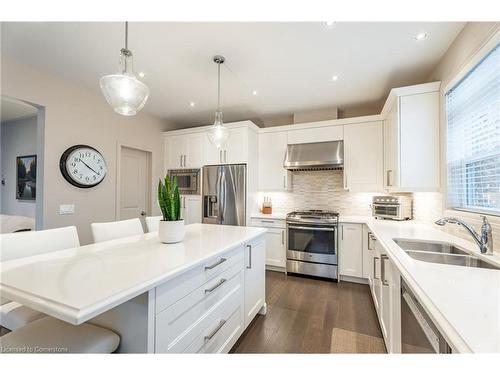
x=13, y=315
x=50, y=335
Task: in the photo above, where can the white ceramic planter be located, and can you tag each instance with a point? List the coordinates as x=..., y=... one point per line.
x=171, y=231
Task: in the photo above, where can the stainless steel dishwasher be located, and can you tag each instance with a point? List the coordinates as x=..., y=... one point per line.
x=418, y=332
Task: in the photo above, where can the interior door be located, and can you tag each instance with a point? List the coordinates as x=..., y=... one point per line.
x=134, y=184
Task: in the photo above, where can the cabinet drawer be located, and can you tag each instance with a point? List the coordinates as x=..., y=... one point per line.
x=222, y=334
x=268, y=223
x=180, y=323
x=173, y=290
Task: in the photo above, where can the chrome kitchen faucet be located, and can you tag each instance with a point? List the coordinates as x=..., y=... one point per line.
x=484, y=241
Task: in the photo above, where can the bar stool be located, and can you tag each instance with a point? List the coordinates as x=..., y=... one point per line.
x=14, y=315
x=116, y=229
x=153, y=222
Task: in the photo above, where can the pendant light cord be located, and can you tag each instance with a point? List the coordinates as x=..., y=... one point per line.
x=126, y=35
x=218, y=87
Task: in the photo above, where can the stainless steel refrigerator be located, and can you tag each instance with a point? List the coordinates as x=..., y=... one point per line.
x=224, y=194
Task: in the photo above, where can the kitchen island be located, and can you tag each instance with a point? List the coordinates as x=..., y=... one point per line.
x=195, y=296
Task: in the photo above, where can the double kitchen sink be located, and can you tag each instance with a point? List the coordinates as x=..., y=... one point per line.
x=444, y=253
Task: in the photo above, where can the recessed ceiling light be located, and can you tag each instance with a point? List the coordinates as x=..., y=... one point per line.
x=330, y=23
x=335, y=78
x=255, y=92
x=420, y=36
x=192, y=104
x=141, y=74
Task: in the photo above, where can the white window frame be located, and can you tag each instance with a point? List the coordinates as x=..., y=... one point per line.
x=477, y=57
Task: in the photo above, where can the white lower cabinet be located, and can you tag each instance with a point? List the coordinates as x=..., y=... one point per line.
x=255, y=278
x=275, y=242
x=351, y=250
x=206, y=309
x=385, y=288
x=191, y=209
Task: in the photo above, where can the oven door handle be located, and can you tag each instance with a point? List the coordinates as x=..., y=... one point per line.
x=313, y=228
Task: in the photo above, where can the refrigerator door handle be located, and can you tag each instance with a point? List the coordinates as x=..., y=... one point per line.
x=223, y=196
x=218, y=192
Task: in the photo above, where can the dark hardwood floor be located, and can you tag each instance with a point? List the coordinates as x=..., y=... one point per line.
x=302, y=312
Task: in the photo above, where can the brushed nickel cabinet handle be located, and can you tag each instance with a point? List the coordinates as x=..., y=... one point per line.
x=249, y=256
x=372, y=238
x=217, y=329
x=267, y=221
x=383, y=258
x=225, y=156
x=222, y=260
x=375, y=268
x=220, y=156
x=282, y=237
x=210, y=290
x=284, y=182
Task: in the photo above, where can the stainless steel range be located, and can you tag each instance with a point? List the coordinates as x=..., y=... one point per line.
x=312, y=243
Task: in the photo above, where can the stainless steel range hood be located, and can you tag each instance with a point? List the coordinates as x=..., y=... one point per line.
x=311, y=156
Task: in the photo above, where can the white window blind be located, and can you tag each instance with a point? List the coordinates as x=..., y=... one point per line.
x=473, y=138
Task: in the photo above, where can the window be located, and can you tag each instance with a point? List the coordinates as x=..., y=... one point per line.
x=473, y=145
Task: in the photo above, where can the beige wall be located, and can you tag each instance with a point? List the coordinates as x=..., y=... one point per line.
x=429, y=206
x=77, y=115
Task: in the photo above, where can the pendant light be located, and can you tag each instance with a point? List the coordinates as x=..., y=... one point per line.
x=218, y=134
x=123, y=91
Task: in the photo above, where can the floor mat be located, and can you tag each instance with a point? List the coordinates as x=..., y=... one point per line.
x=344, y=341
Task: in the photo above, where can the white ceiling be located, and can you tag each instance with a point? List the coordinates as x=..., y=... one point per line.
x=14, y=109
x=289, y=64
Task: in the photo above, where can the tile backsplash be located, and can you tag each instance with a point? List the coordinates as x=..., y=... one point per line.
x=320, y=190
x=324, y=190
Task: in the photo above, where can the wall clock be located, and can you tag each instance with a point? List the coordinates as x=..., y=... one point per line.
x=83, y=166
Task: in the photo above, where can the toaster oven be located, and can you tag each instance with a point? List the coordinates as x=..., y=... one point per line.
x=391, y=207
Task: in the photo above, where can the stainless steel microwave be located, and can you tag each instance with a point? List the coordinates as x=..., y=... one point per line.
x=188, y=180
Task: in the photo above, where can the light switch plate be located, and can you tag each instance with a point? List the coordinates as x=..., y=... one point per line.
x=66, y=209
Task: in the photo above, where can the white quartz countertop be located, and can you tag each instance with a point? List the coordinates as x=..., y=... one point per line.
x=78, y=284
x=464, y=302
x=273, y=216
x=282, y=216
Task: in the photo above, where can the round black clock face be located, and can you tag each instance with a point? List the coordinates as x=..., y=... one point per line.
x=83, y=166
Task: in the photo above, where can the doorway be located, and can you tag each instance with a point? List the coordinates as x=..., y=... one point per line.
x=22, y=155
x=134, y=184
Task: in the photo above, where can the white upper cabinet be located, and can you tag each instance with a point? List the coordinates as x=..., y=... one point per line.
x=234, y=152
x=272, y=149
x=174, y=152
x=184, y=151
x=411, y=139
x=319, y=134
x=364, y=157
x=194, y=151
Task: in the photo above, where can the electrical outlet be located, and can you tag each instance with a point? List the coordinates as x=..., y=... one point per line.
x=66, y=209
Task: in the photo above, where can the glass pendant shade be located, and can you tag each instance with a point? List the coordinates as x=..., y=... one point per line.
x=218, y=134
x=123, y=91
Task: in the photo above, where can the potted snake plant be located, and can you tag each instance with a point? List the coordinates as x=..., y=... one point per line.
x=171, y=228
